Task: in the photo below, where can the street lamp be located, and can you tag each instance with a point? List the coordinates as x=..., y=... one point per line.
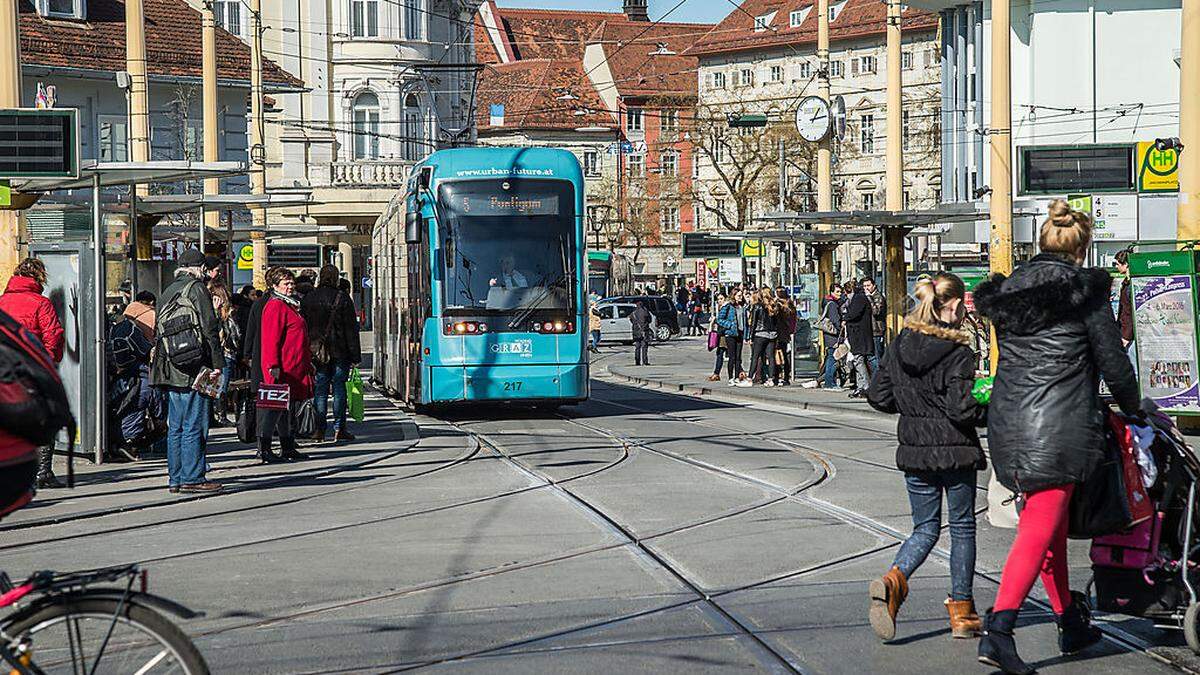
x=598, y=222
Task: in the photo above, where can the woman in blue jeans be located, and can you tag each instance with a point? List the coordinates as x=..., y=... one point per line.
x=832, y=311
x=926, y=376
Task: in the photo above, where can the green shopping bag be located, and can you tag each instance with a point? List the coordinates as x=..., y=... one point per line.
x=982, y=391
x=354, y=395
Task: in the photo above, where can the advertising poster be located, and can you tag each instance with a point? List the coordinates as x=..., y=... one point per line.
x=1165, y=325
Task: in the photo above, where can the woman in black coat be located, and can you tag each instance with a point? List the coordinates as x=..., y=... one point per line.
x=764, y=329
x=926, y=376
x=1056, y=335
x=860, y=333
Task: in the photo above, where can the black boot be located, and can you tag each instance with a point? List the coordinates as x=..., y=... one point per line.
x=1075, y=629
x=997, y=647
x=45, y=474
x=288, y=446
x=265, y=454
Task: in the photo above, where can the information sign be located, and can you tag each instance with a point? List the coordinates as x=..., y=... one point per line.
x=245, y=259
x=39, y=143
x=1165, y=328
x=730, y=271
x=1157, y=170
x=752, y=248
x=1115, y=217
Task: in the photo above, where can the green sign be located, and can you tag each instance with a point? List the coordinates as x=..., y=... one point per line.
x=1161, y=263
x=5, y=193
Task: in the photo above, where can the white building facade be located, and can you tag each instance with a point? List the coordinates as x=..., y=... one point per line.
x=1091, y=79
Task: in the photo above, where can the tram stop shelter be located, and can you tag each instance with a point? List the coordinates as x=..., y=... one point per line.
x=893, y=225
x=77, y=270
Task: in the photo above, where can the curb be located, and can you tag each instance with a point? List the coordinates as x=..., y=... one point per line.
x=721, y=393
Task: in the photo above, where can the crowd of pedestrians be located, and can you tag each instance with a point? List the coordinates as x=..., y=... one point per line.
x=765, y=319
x=187, y=360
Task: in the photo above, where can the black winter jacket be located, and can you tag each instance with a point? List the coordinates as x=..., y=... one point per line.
x=1057, y=334
x=926, y=376
x=639, y=322
x=341, y=326
x=251, y=347
x=762, y=321
x=860, y=330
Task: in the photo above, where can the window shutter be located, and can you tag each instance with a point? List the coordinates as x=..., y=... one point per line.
x=853, y=66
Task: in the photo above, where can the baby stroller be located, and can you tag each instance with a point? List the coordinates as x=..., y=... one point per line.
x=1151, y=571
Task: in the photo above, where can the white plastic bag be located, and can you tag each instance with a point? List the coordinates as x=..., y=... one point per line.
x=1002, y=504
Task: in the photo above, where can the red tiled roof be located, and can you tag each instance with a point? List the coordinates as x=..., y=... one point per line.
x=628, y=46
x=173, y=42
x=858, y=18
x=529, y=92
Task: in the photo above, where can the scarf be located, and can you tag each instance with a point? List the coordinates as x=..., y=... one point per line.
x=290, y=300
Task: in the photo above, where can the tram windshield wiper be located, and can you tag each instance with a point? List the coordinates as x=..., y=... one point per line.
x=529, y=309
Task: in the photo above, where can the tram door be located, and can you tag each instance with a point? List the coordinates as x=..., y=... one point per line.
x=417, y=310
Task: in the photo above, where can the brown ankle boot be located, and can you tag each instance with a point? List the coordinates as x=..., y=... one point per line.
x=964, y=621
x=887, y=594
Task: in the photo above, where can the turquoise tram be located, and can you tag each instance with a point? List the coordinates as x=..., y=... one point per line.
x=479, y=283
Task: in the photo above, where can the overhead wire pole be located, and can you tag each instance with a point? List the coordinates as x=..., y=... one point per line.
x=10, y=97
x=1000, y=257
x=1188, y=227
x=895, y=280
x=211, y=218
x=258, y=178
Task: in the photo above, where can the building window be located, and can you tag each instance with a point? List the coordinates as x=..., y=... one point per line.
x=591, y=163
x=637, y=166
x=718, y=152
x=866, y=138
x=837, y=200
x=228, y=14
x=695, y=165
x=415, y=146
x=63, y=9
x=835, y=10
x=633, y=119
x=668, y=120
x=112, y=138
x=907, y=198
x=796, y=18
x=805, y=70
x=904, y=130
x=670, y=163
x=761, y=23
x=906, y=61
x=364, y=18
x=745, y=77
x=864, y=65
x=193, y=142
x=836, y=69
x=635, y=214
x=414, y=22
x=868, y=201
x=718, y=80
x=777, y=73
x=670, y=218
x=366, y=126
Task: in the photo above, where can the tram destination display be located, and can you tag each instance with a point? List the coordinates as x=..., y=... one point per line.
x=39, y=143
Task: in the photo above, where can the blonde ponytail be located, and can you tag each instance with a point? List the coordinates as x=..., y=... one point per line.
x=932, y=294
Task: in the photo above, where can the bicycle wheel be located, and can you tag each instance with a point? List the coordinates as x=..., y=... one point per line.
x=78, y=634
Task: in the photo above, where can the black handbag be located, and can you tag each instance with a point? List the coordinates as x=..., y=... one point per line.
x=306, y=420
x=1100, y=504
x=247, y=422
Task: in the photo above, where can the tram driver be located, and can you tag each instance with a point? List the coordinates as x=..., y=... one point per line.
x=510, y=277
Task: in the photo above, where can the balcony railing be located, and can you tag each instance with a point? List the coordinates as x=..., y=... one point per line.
x=369, y=173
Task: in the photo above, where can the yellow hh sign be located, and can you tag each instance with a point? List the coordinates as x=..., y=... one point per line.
x=1158, y=170
x=245, y=259
x=752, y=248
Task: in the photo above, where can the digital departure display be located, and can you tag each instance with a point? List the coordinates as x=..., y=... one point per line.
x=506, y=205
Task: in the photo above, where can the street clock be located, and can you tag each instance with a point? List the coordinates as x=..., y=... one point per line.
x=813, y=119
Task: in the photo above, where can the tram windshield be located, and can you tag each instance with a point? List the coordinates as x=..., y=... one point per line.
x=507, y=245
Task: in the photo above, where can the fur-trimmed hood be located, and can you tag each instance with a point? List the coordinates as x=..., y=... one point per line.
x=926, y=345
x=1041, y=292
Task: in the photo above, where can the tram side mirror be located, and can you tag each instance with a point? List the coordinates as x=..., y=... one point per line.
x=412, y=227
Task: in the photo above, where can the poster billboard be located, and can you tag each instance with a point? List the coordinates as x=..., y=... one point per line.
x=1165, y=328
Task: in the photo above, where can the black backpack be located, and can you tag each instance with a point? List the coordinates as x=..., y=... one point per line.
x=33, y=402
x=127, y=346
x=179, y=337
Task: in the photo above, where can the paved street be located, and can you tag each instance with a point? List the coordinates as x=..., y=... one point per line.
x=643, y=531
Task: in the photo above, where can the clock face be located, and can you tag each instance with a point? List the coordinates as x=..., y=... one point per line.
x=813, y=119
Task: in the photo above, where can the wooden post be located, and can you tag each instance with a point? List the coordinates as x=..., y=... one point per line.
x=10, y=97
x=1000, y=256
x=212, y=218
x=1188, y=228
x=895, y=270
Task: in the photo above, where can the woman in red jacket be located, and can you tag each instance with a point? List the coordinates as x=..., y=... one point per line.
x=23, y=301
x=285, y=359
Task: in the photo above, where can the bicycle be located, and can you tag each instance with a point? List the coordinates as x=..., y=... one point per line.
x=73, y=627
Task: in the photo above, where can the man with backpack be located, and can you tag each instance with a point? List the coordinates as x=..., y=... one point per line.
x=189, y=340
x=24, y=302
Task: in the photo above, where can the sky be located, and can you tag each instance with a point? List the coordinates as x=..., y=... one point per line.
x=709, y=11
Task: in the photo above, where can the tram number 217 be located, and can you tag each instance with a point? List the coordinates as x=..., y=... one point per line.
x=512, y=385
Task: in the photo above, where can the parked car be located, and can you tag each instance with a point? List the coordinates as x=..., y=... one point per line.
x=614, y=321
x=666, y=318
